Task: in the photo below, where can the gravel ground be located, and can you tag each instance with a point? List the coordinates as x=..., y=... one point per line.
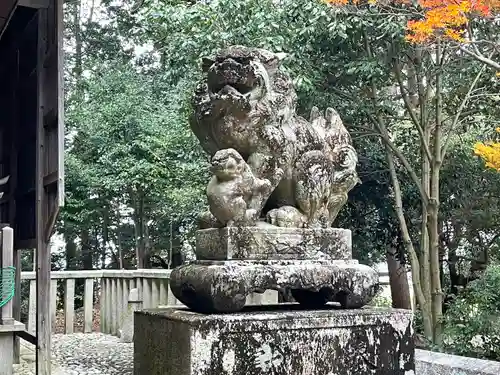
x=86, y=354
x=92, y=354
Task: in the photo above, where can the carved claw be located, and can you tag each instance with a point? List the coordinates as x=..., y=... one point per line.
x=208, y=220
x=315, y=114
x=263, y=185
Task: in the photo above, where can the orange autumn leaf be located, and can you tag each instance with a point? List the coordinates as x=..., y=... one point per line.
x=448, y=18
x=440, y=18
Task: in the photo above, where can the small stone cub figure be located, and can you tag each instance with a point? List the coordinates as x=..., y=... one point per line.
x=233, y=190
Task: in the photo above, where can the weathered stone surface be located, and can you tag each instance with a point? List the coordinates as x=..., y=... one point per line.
x=297, y=170
x=433, y=363
x=222, y=286
x=270, y=242
x=134, y=303
x=282, y=342
x=234, y=193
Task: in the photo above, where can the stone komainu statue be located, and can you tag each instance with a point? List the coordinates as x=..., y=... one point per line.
x=247, y=103
x=278, y=184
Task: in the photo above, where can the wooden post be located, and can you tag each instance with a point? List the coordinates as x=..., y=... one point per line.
x=49, y=162
x=17, y=302
x=53, y=303
x=7, y=261
x=14, y=154
x=88, y=305
x=69, y=306
x=32, y=308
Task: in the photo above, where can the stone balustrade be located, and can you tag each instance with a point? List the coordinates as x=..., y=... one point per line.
x=111, y=287
x=109, y=291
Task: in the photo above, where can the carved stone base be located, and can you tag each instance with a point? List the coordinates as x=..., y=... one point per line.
x=279, y=340
x=271, y=242
x=222, y=286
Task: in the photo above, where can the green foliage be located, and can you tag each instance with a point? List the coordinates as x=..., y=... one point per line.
x=133, y=149
x=472, y=324
x=131, y=128
x=381, y=301
x=131, y=156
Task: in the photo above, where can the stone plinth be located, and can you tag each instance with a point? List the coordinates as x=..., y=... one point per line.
x=433, y=363
x=314, y=265
x=270, y=242
x=279, y=340
x=223, y=286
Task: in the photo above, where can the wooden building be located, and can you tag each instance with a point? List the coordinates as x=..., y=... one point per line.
x=32, y=142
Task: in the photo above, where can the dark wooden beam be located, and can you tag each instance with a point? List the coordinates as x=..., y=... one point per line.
x=49, y=162
x=37, y=4
x=12, y=204
x=43, y=263
x=26, y=336
x=9, y=6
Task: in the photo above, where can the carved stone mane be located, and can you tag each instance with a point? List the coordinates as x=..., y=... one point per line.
x=246, y=103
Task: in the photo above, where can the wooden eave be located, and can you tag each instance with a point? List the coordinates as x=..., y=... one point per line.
x=6, y=10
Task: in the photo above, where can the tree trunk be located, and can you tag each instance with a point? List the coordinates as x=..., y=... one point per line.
x=433, y=211
x=140, y=245
x=425, y=272
x=398, y=280
x=120, y=250
x=71, y=252
x=146, y=243
x=87, y=261
x=425, y=305
x=105, y=238
x=78, y=68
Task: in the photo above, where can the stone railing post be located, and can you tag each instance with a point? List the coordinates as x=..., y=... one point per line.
x=53, y=303
x=7, y=261
x=8, y=343
x=134, y=304
x=88, y=305
x=69, y=306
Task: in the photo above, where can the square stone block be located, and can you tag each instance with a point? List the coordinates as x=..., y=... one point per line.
x=277, y=340
x=270, y=242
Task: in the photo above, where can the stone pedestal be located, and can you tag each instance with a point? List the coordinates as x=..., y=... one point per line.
x=7, y=346
x=134, y=303
x=277, y=340
x=314, y=265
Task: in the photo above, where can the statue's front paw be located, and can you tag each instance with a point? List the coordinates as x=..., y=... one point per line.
x=207, y=220
x=265, y=186
x=286, y=217
x=251, y=216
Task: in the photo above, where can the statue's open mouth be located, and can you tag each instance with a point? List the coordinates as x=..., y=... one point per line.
x=235, y=88
x=233, y=76
x=241, y=88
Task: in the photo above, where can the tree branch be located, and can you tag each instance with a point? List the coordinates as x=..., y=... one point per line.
x=444, y=148
x=385, y=137
x=416, y=122
x=480, y=57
